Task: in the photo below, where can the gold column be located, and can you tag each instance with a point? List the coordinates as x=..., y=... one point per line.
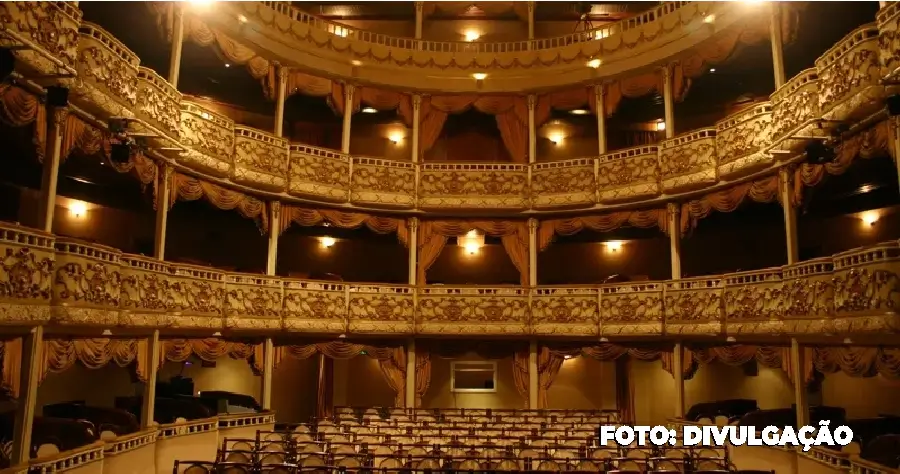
x=283, y=74
x=532, y=130
x=413, y=225
x=533, y=375
x=31, y=359
x=799, y=383
x=669, y=100
x=531, y=5
x=785, y=190
x=532, y=252
x=163, y=192
x=599, y=96
x=777, y=44
x=678, y=374
x=177, y=43
x=410, y=395
x=50, y=175
x=414, y=148
x=673, y=216
x=268, y=368
x=274, y=233
x=419, y=19
x=148, y=406
x=348, y=118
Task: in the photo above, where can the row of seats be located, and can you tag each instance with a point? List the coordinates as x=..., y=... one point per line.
x=478, y=415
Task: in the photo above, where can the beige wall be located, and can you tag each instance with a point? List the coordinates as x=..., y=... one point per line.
x=862, y=397
x=96, y=387
x=229, y=374
x=294, y=389
x=584, y=383
x=440, y=396
x=769, y=387
x=358, y=382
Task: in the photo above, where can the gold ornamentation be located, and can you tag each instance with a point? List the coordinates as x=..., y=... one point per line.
x=383, y=182
x=473, y=186
x=260, y=159
x=688, y=161
x=210, y=139
x=629, y=175
x=563, y=183
x=319, y=173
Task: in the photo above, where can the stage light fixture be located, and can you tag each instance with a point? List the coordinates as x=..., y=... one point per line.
x=893, y=105
x=57, y=96
x=120, y=152
x=818, y=153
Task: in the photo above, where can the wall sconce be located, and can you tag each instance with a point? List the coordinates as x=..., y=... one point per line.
x=327, y=242
x=600, y=34
x=579, y=112
x=242, y=19
x=613, y=246
x=870, y=217
x=594, y=63
x=556, y=138
x=471, y=35
x=395, y=137
x=357, y=63
x=661, y=126
x=471, y=242
x=479, y=76
x=78, y=209
x=369, y=110
x=709, y=19
x=568, y=357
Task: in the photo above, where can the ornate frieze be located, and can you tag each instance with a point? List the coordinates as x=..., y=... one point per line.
x=381, y=309
x=107, y=73
x=850, y=76
x=693, y=306
x=146, y=296
x=253, y=302
x=888, y=21
x=315, y=306
x=198, y=295
x=631, y=309
x=158, y=104
x=753, y=302
x=319, y=173
x=688, y=162
x=49, y=29
x=473, y=186
x=87, y=285
x=561, y=184
x=383, y=183
x=209, y=140
x=866, y=284
x=795, y=113
x=27, y=274
x=260, y=159
x=807, y=296
x=562, y=311
x=741, y=141
x=628, y=175
x=471, y=310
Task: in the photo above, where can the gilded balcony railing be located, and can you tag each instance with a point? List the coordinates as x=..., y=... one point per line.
x=87, y=284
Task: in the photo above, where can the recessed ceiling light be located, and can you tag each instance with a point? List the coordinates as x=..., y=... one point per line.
x=594, y=63
x=479, y=76
x=579, y=112
x=709, y=19
x=369, y=110
x=356, y=62
x=242, y=19
x=227, y=65
x=712, y=69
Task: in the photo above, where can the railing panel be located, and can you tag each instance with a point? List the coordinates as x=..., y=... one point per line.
x=198, y=295
x=694, y=306
x=631, y=309
x=561, y=184
x=48, y=29
x=867, y=289
x=260, y=159
x=319, y=173
x=888, y=20
x=383, y=182
x=466, y=310
x=473, y=186
x=27, y=274
x=795, y=113
x=382, y=309
x=107, y=72
x=688, y=162
x=754, y=302
x=741, y=141
x=145, y=296
x=87, y=284
x=850, y=76
x=315, y=306
x=209, y=138
x=253, y=302
x=158, y=104
x=629, y=175
x=559, y=311
x=808, y=296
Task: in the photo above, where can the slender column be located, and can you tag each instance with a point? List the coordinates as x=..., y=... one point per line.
x=420, y=6
x=417, y=107
x=274, y=233
x=532, y=252
x=410, y=396
x=532, y=130
x=785, y=190
x=163, y=193
x=669, y=100
x=600, y=110
x=777, y=45
x=532, y=375
x=673, y=214
x=799, y=383
x=894, y=141
x=882, y=4
x=148, y=406
x=32, y=345
x=413, y=225
x=177, y=43
x=283, y=74
x=678, y=374
x=268, y=369
x=50, y=176
x=348, y=118
x=531, y=5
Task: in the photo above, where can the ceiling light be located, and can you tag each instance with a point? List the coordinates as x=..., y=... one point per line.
x=77, y=208
x=613, y=245
x=567, y=357
x=471, y=35
x=369, y=110
x=479, y=76
x=579, y=112
x=227, y=65
x=594, y=63
x=327, y=242
x=709, y=19
x=866, y=188
x=356, y=62
x=556, y=138
x=661, y=126
x=200, y=4
x=471, y=242
x=870, y=217
x=395, y=137
x=712, y=69
x=242, y=19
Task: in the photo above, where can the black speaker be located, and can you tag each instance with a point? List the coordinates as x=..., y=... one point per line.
x=818, y=153
x=7, y=63
x=120, y=153
x=57, y=96
x=893, y=105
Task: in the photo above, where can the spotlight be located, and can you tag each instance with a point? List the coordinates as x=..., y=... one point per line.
x=818, y=153
x=57, y=96
x=893, y=105
x=7, y=63
x=120, y=153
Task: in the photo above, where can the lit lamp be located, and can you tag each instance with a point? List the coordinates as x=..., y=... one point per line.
x=77, y=208
x=661, y=126
x=556, y=138
x=471, y=242
x=870, y=217
x=395, y=137
x=200, y=4
x=471, y=35
x=327, y=242
x=479, y=76
x=613, y=246
x=594, y=63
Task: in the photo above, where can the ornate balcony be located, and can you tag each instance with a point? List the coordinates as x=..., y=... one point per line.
x=850, y=76
x=629, y=175
x=383, y=183
x=473, y=186
x=741, y=141
x=260, y=159
x=47, y=31
x=208, y=139
x=107, y=73
x=688, y=162
x=560, y=184
x=853, y=292
x=318, y=173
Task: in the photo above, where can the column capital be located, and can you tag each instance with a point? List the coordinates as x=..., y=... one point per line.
x=667, y=72
x=275, y=206
x=600, y=90
x=532, y=102
x=532, y=225
x=419, y=6
x=283, y=72
x=531, y=6
x=416, y=102
x=673, y=210
x=59, y=116
x=412, y=223
x=349, y=89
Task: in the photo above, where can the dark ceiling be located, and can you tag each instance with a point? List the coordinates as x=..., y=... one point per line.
x=405, y=11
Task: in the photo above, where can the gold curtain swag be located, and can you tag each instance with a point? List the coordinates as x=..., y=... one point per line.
x=11, y=351
x=433, y=237
x=58, y=355
x=858, y=361
x=291, y=214
x=19, y=107
x=189, y=188
x=210, y=349
x=643, y=219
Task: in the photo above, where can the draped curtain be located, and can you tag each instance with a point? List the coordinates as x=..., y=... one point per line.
x=763, y=190
x=858, y=361
x=19, y=107
x=423, y=375
x=189, y=188
x=456, y=349
x=58, y=355
x=624, y=390
x=433, y=237
x=548, y=366
x=392, y=362
x=78, y=135
x=511, y=113
x=550, y=228
x=11, y=379
x=179, y=350
x=344, y=220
